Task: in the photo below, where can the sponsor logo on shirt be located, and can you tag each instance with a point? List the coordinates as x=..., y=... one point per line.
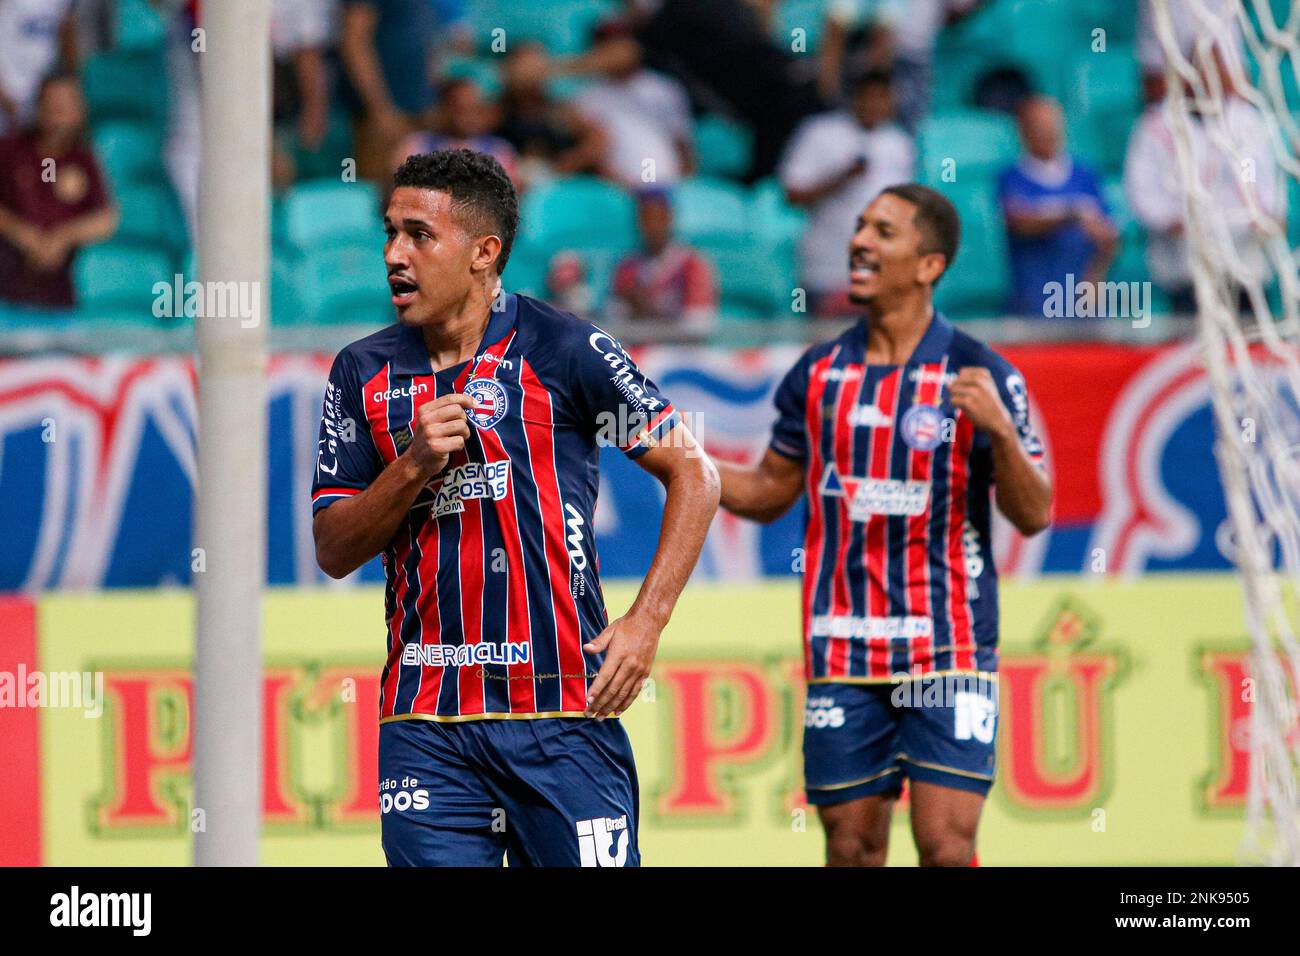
x=463, y=655
x=868, y=628
x=471, y=480
x=877, y=496
x=868, y=416
x=626, y=375
x=409, y=392
x=597, y=838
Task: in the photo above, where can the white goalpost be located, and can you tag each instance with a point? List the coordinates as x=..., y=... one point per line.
x=230, y=503
x=1230, y=68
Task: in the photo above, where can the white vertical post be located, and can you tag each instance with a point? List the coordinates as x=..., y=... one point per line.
x=234, y=245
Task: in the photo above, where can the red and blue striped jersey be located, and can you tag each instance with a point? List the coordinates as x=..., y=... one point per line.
x=492, y=579
x=898, y=560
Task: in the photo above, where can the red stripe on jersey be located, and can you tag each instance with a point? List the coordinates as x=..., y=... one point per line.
x=920, y=463
x=813, y=538
x=332, y=492
x=837, y=648
x=876, y=550
x=539, y=424
x=523, y=696
x=959, y=610
x=377, y=422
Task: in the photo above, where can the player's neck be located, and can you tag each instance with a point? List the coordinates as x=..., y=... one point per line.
x=893, y=333
x=454, y=337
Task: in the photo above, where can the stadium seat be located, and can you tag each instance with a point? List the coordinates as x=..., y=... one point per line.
x=129, y=151
x=345, y=284
x=579, y=212
x=753, y=281
x=126, y=86
x=138, y=27
x=708, y=210
x=979, y=142
x=806, y=15
x=326, y=211
x=1103, y=104
x=563, y=26
x=483, y=70
x=976, y=284
x=723, y=146
x=119, y=277
x=288, y=305
x=151, y=215
x=773, y=220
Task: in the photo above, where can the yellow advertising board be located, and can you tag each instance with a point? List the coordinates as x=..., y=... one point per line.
x=1121, y=732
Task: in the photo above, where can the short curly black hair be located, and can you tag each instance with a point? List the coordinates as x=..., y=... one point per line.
x=477, y=185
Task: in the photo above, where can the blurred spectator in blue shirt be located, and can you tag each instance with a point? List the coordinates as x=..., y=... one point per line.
x=1057, y=220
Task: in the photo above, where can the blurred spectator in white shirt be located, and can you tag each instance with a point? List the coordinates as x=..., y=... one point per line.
x=836, y=163
x=1154, y=188
x=35, y=37
x=1208, y=24
x=646, y=115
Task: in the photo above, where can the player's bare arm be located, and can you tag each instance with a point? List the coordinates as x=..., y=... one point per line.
x=763, y=491
x=356, y=529
x=690, y=480
x=1023, y=492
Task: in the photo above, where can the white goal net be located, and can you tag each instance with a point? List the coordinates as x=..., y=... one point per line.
x=1232, y=69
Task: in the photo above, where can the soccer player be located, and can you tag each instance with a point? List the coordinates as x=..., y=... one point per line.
x=895, y=432
x=461, y=444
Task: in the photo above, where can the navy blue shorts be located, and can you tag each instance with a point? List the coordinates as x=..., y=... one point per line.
x=863, y=739
x=549, y=792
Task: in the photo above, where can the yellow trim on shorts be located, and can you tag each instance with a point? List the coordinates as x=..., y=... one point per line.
x=942, y=769
x=988, y=675
x=856, y=783
x=463, y=718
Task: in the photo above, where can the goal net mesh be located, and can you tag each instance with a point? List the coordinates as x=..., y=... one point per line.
x=1232, y=68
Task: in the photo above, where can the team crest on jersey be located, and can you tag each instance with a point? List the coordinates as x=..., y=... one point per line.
x=922, y=427
x=492, y=400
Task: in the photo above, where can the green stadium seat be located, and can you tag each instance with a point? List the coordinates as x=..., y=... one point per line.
x=1130, y=265
x=129, y=151
x=563, y=26
x=579, y=212
x=1104, y=103
x=126, y=86
x=327, y=211
x=806, y=15
x=151, y=215
x=483, y=70
x=345, y=284
x=754, y=281
x=326, y=160
x=976, y=283
x=288, y=305
x=707, y=209
x=138, y=27
x=119, y=278
x=979, y=142
x=773, y=220
x=723, y=146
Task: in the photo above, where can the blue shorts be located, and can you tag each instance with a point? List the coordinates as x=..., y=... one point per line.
x=549, y=792
x=863, y=739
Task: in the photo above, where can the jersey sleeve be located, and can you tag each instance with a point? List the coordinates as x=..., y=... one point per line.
x=790, y=433
x=346, y=458
x=616, y=401
x=1015, y=396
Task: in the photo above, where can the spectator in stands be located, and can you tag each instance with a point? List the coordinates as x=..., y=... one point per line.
x=302, y=32
x=723, y=48
x=465, y=120
x=1153, y=187
x=36, y=36
x=1056, y=215
x=645, y=114
x=388, y=49
x=898, y=35
x=836, y=163
x=52, y=199
x=550, y=137
x=665, y=281
x=1192, y=23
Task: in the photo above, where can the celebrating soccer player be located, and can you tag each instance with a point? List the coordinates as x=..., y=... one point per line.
x=461, y=444
x=896, y=431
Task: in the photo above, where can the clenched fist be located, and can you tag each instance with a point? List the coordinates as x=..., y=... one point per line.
x=974, y=392
x=440, y=429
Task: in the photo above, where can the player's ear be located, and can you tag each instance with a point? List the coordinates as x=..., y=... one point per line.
x=930, y=267
x=486, y=253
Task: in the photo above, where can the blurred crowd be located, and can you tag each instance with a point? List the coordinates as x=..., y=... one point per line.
x=376, y=80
